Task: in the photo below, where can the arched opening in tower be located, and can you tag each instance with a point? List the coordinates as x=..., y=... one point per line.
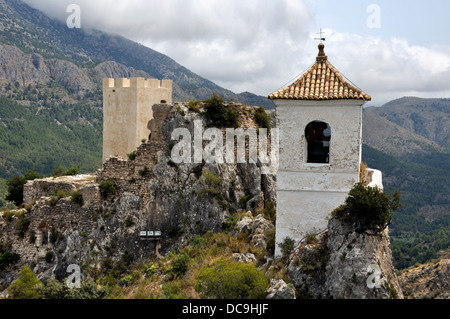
x=318, y=137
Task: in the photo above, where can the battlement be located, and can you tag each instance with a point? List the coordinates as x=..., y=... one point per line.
x=127, y=109
x=138, y=83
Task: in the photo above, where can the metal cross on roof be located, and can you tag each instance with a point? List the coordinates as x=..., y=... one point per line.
x=321, y=36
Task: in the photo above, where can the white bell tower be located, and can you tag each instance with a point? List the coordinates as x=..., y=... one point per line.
x=320, y=121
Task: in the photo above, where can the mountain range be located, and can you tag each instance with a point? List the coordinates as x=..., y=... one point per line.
x=51, y=116
x=34, y=33
x=407, y=139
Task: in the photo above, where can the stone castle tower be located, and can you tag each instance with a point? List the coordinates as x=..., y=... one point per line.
x=320, y=122
x=127, y=109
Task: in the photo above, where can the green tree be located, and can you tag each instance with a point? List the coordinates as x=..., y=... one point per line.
x=211, y=182
x=57, y=171
x=27, y=286
x=132, y=155
x=22, y=224
x=287, y=246
x=261, y=118
x=77, y=197
x=180, y=265
x=15, y=186
x=107, y=188
x=6, y=256
x=15, y=190
x=219, y=114
x=73, y=170
x=369, y=208
x=231, y=280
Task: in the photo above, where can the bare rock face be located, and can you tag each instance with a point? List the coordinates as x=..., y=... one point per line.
x=245, y=225
x=360, y=265
x=307, y=269
x=247, y=258
x=343, y=264
x=257, y=227
x=149, y=193
x=34, y=68
x=278, y=289
x=260, y=228
x=431, y=280
x=22, y=68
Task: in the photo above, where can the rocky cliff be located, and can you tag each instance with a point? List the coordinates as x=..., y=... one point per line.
x=344, y=264
x=89, y=219
x=127, y=196
x=33, y=68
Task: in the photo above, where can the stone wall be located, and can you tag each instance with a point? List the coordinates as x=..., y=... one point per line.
x=132, y=176
x=44, y=244
x=47, y=187
x=152, y=193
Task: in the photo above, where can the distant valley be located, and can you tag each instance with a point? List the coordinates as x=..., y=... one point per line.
x=408, y=139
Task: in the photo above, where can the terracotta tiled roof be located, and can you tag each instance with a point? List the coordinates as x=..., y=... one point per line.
x=321, y=82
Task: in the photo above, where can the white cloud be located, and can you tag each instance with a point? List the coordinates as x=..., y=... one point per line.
x=389, y=69
x=260, y=45
x=229, y=42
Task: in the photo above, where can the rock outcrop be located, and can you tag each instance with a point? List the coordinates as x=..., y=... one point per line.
x=428, y=281
x=34, y=68
x=344, y=264
x=127, y=197
x=89, y=219
x=278, y=289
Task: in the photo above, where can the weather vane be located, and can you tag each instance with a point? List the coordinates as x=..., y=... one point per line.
x=321, y=36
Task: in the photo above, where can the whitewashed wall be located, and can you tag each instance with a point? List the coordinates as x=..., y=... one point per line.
x=307, y=193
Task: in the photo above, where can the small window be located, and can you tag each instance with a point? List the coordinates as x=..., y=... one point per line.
x=318, y=137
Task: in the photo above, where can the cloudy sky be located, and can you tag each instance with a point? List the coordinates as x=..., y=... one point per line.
x=387, y=48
